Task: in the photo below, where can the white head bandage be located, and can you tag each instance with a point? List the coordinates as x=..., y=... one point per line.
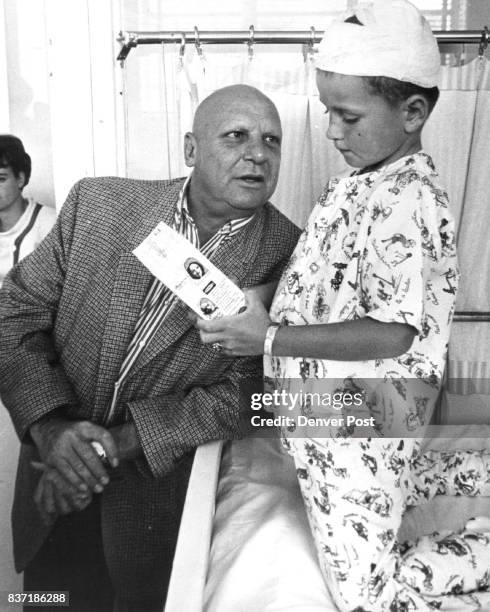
x=394, y=41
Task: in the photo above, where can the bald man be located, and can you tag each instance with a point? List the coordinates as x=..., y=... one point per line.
x=96, y=350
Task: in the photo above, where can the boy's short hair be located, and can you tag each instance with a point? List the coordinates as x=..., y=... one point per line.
x=13, y=155
x=394, y=91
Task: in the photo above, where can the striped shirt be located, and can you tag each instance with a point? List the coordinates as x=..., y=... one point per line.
x=159, y=299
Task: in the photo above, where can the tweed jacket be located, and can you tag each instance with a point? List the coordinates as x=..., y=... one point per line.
x=67, y=314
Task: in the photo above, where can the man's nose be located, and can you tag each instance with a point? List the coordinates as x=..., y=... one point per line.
x=256, y=151
x=334, y=131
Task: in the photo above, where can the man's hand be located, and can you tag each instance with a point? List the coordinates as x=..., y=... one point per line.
x=242, y=334
x=54, y=495
x=66, y=446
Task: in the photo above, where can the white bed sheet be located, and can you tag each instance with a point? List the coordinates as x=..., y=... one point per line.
x=262, y=557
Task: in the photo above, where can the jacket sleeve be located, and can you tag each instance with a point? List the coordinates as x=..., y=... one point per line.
x=32, y=380
x=171, y=425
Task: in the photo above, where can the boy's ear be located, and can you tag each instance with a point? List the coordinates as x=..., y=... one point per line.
x=190, y=146
x=416, y=112
x=21, y=180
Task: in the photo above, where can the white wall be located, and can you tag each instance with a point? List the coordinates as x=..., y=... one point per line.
x=59, y=89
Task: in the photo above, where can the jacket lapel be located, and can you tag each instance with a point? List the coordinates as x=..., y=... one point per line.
x=237, y=255
x=131, y=284
x=234, y=258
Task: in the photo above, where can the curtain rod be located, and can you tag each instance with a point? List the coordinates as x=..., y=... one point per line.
x=131, y=39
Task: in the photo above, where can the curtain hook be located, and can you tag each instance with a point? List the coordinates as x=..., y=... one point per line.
x=308, y=50
x=311, y=44
x=483, y=42
x=182, y=48
x=251, y=42
x=197, y=41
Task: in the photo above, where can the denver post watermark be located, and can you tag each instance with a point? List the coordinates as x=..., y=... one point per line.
x=280, y=400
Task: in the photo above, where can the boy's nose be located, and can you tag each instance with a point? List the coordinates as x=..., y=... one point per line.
x=334, y=131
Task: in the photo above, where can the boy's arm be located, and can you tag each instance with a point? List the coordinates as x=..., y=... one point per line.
x=356, y=340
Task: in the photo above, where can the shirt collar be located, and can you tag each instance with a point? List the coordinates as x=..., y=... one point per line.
x=181, y=207
x=230, y=228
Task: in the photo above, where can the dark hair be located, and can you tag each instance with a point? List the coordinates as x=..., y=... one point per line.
x=394, y=91
x=13, y=155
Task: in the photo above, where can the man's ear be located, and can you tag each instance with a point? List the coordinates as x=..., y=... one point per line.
x=416, y=112
x=190, y=149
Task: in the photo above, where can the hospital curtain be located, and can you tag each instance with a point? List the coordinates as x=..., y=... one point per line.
x=164, y=89
x=285, y=74
x=468, y=396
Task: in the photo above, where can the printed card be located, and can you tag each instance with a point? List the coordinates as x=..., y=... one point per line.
x=189, y=274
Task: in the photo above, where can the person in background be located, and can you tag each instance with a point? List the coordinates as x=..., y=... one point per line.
x=366, y=304
x=95, y=349
x=23, y=222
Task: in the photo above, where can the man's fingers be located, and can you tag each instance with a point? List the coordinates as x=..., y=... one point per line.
x=73, y=470
x=192, y=316
x=99, y=434
x=90, y=465
x=75, y=458
x=210, y=338
x=54, y=496
x=109, y=445
x=67, y=447
x=81, y=503
x=67, y=498
x=69, y=476
x=38, y=492
x=45, y=501
x=61, y=505
x=211, y=325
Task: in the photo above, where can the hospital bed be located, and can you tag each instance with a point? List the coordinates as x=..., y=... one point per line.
x=244, y=543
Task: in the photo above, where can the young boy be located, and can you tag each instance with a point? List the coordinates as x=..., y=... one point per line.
x=366, y=301
x=23, y=222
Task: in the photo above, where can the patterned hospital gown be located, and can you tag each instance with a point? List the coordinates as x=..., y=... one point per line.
x=379, y=244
